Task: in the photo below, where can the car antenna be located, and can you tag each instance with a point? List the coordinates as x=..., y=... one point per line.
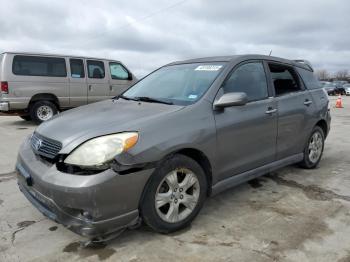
x=270, y=52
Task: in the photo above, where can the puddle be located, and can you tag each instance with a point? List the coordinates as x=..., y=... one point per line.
x=102, y=252
x=54, y=228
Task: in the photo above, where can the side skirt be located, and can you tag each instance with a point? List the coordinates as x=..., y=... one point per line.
x=254, y=173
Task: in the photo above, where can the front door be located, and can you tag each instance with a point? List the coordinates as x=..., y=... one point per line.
x=120, y=79
x=98, y=86
x=246, y=135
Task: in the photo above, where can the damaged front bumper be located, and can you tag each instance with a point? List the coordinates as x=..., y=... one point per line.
x=91, y=205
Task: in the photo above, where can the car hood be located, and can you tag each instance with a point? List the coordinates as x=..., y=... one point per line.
x=75, y=126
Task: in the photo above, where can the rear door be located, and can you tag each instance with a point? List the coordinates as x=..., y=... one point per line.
x=119, y=78
x=246, y=135
x=98, y=85
x=295, y=110
x=77, y=82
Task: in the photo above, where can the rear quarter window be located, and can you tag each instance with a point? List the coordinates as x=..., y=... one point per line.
x=308, y=78
x=39, y=66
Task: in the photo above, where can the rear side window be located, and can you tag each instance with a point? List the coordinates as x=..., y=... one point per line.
x=249, y=78
x=118, y=71
x=77, y=68
x=284, y=79
x=309, y=79
x=39, y=66
x=96, y=69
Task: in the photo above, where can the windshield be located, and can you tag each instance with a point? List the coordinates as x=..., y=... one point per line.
x=177, y=84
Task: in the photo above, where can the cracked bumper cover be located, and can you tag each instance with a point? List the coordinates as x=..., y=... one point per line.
x=91, y=205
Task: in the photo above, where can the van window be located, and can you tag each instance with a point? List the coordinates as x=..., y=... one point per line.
x=96, y=69
x=249, y=78
x=39, y=66
x=118, y=71
x=284, y=79
x=77, y=68
x=309, y=79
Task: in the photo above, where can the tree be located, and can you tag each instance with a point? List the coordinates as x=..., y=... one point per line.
x=322, y=74
x=342, y=75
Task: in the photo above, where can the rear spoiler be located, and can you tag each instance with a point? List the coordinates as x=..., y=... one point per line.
x=305, y=62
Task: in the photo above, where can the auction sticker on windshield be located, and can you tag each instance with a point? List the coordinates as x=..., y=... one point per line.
x=208, y=67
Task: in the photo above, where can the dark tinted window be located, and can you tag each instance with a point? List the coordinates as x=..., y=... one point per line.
x=39, y=66
x=96, y=69
x=284, y=79
x=309, y=79
x=249, y=78
x=77, y=68
x=118, y=71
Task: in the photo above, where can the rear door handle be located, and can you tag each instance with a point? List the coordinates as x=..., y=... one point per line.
x=110, y=88
x=271, y=110
x=90, y=87
x=307, y=102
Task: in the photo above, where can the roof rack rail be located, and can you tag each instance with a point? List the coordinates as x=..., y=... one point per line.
x=305, y=62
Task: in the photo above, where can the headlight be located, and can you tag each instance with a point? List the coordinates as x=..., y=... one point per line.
x=100, y=150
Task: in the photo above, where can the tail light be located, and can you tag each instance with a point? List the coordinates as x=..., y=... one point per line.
x=4, y=87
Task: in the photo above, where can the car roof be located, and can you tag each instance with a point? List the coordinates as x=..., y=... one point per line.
x=233, y=58
x=58, y=55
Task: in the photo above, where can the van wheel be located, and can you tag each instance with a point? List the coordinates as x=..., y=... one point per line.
x=42, y=111
x=26, y=118
x=314, y=149
x=174, y=195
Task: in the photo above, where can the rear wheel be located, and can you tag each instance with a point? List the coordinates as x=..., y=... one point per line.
x=42, y=111
x=314, y=149
x=174, y=194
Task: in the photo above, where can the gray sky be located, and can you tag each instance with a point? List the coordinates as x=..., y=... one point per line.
x=147, y=34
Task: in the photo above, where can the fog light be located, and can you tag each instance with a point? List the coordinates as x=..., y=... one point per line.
x=86, y=214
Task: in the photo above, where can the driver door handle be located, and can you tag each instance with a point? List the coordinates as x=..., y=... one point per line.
x=271, y=110
x=307, y=102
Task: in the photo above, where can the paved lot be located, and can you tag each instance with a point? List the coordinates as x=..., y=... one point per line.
x=290, y=215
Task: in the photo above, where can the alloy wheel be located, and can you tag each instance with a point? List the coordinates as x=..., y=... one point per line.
x=177, y=195
x=315, y=147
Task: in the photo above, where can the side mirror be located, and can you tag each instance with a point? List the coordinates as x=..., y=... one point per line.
x=129, y=76
x=231, y=99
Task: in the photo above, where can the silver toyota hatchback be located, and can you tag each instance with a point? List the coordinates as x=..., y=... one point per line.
x=187, y=131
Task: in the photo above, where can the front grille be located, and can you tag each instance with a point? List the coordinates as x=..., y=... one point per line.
x=45, y=147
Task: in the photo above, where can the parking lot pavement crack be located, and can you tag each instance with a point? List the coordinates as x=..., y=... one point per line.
x=7, y=176
x=21, y=226
x=311, y=191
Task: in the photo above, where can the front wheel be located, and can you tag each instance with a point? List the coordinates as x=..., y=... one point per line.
x=174, y=195
x=314, y=149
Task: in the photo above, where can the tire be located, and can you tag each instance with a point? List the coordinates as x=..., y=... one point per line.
x=156, y=218
x=26, y=117
x=310, y=162
x=42, y=111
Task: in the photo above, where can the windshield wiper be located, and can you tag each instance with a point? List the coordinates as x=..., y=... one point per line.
x=126, y=98
x=152, y=100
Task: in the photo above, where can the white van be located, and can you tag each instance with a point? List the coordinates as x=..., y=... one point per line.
x=38, y=86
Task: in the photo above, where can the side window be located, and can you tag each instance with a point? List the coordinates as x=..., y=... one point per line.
x=118, y=71
x=249, y=78
x=77, y=68
x=284, y=79
x=39, y=66
x=96, y=69
x=309, y=79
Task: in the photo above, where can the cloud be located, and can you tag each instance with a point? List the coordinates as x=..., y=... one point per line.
x=146, y=35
